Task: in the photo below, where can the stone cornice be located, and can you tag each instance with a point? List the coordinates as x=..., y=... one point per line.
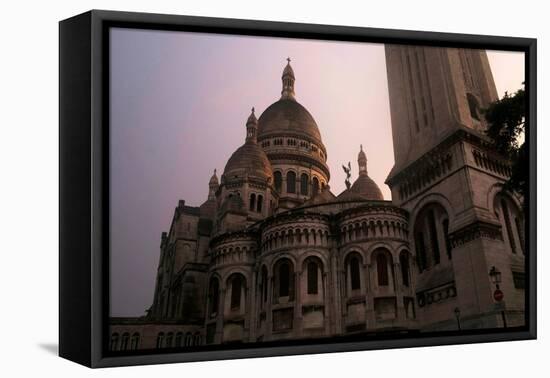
x=291, y=215
x=373, y=207
x=243, y=235
x=153, y=321
x=476, y=230
x=233, y=183
x=462, y=134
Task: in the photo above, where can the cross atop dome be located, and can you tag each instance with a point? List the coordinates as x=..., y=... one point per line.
x=213, y=185
x=251, y=127
x=362, y=161
x=288, y=82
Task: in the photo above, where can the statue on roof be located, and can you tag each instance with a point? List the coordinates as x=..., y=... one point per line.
x=348, y=174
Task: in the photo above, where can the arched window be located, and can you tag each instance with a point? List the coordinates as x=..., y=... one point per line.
x=124, y=341
x=278, y=179
x=214, y=296
x=312, y=277
x=291, y=182
x=354, y=272
x=420, y=251
x=431, y=236
x=259, y=203
x=473, y=105
x=314, y=186
x=188, y=339
x=284, y=280
x=114, y=341
x=179, y=340
x=448, y=246
x=252, y=202
x=382, y=269
x=160, y=340
x=404, y=262
x=135, y=341
x=512, y=222
x=304, y=183
x=236, y=288
x=169, y=339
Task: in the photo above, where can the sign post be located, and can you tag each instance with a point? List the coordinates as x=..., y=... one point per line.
x=498, y=295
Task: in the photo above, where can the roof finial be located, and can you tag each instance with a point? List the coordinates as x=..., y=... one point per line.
x=288, y=82
x=213, y=185
x=362, y=161
x=361, y=147
x=251, y=127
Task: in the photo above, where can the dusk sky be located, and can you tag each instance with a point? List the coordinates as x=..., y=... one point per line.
x=179, y=104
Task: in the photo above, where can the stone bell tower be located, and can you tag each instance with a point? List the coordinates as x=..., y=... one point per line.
x=448, y=176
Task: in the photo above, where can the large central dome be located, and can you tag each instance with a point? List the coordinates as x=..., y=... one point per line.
x=288, y=117
x=292, y=142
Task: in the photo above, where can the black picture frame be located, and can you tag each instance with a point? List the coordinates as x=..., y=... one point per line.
x=84, y=187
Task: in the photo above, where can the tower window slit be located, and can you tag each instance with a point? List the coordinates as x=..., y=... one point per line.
x=433, y=237
x=508, y=226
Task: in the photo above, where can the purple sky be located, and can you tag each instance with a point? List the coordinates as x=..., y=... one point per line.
x=179, y=105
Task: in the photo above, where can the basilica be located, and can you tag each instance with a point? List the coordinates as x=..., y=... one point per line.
x=273, y=254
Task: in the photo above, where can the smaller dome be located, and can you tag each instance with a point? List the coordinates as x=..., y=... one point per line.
x=364, y=187
x=367, y=188
x=251, y=160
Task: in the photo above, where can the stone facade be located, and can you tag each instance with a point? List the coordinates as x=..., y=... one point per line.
x=273, y=254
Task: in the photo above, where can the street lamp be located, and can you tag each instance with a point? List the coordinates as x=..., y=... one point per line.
x=457, y=316
x=495, y=275
x=498, y=295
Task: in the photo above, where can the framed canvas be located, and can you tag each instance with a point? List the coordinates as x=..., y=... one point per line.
x=234, y=188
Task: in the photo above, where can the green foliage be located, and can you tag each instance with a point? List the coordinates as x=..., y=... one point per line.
x=507, y=127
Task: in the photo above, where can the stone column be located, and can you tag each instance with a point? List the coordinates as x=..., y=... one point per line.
x=297, y=326
x=218, y=339
x=336, y=293
x=369, y=305
x=268, y=310
x=328, y=307
x=252, y=315
x=400, y=315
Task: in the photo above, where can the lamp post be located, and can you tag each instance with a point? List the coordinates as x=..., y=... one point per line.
x=498, y=295
x=457, y=316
